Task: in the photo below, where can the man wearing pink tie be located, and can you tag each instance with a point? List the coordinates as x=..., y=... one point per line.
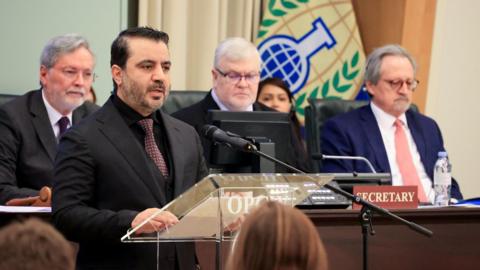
x=387, y=132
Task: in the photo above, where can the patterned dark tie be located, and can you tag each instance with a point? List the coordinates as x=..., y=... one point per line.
x=151, y=147
x=63, y=124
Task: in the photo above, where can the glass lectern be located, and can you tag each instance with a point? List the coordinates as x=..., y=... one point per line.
x=212, y=208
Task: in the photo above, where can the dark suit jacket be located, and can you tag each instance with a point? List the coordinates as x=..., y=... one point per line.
x=28, y=145
x=196, y=116
x=102, y=181
x=356, y=133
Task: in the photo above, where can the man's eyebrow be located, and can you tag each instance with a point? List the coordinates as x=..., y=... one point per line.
x=146, y=61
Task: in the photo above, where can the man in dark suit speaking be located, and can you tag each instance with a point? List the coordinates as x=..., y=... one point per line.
x=386, y=132
x=30, y=125
x=126, y=161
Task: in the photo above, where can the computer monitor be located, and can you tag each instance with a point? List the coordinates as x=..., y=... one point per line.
x=261, y=126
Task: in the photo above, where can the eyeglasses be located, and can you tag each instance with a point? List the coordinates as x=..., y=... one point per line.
x=73, y=73
x=398, y=84
x=235, y=77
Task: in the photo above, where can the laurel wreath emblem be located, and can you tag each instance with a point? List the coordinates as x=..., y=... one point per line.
x=276, y=12
x=340, y=83
x=342, y=79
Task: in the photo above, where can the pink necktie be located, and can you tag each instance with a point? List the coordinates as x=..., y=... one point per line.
x=405, y=161
x=151, y=147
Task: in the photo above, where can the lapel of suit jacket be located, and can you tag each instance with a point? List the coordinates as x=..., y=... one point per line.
x=372, y=133
x=78, y=114
x=42, y=125
x=121, y=137
x=208, y=103
x=417, y=134
x=174, y=143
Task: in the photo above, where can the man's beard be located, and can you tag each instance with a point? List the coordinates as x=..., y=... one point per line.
x=401, y=105
x=137, y=97
x=66, y=104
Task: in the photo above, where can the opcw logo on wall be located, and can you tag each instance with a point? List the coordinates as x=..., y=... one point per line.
x=313, y=45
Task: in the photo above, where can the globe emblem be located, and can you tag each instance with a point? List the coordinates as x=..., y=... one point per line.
x=287, y=58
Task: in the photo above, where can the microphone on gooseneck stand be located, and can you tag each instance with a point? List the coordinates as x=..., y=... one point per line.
x=360, y=158
x=232, y=140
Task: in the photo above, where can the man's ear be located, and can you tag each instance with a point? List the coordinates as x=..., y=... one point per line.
x=214, y=77
x=370, y=87
x=117, y=73
x=43, y=74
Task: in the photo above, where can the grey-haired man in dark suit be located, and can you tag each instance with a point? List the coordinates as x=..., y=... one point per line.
x=30, y=125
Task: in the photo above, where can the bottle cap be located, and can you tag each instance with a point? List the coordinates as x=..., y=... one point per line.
x=442, y=154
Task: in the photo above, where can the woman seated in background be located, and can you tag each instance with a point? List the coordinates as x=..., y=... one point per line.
x=274, y=93
x=277, y=237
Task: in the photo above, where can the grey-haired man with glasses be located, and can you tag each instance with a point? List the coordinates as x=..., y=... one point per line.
x=30, y=125
x=235, y=76
x=393, y=137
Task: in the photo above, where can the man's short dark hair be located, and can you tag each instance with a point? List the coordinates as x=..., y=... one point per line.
x=119, y=51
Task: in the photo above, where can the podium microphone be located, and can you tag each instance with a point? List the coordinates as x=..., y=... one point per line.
x=322, y=156
x=232, y=140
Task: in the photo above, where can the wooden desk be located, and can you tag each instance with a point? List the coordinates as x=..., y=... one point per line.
x=455, y=243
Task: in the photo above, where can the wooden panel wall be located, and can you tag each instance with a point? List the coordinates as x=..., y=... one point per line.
x=405, y=22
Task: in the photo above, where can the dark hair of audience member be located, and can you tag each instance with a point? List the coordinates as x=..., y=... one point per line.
x=277, y=237
x=34, y=245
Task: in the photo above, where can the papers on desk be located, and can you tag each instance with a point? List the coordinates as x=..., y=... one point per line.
x=472, y=202
x=468, y=203
x=24, y=209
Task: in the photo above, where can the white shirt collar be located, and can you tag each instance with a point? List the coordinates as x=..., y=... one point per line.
x=54, y=115
x=386, y=120
x=222, y=106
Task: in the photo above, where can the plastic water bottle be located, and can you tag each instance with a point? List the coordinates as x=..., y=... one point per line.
x=442, y=179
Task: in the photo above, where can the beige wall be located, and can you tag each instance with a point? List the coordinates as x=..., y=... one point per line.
x=454, y=90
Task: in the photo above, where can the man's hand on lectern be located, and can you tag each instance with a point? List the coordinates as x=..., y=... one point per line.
x=161, y=221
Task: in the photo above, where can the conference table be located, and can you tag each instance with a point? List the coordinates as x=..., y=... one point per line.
x=455, y=243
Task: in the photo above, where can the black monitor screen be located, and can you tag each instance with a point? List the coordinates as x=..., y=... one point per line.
x=273, y=126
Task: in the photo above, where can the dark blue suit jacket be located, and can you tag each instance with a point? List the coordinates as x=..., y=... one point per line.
x=356, y=133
